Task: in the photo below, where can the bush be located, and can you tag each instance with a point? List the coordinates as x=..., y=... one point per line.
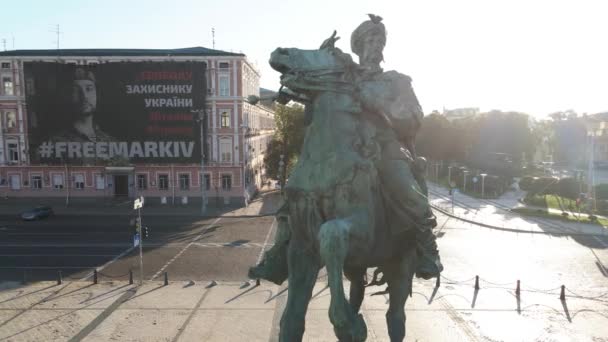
x=525, y=183
x=601, y=191
x=568, y=188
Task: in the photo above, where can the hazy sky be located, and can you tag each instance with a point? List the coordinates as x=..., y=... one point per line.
x=534, y=56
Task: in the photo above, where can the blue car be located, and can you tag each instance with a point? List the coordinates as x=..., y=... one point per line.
x=37, y=213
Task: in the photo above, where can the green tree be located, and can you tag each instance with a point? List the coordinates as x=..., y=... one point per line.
x=288, y=138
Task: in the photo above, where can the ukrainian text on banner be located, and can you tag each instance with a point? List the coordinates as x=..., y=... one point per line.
x=114, y=112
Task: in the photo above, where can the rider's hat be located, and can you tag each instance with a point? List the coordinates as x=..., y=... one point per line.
x=374, y=25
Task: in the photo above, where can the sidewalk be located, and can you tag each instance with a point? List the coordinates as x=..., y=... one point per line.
x=263, y=204
x=187, y=311
x=495, y=213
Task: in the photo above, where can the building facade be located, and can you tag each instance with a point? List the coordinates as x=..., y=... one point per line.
x=236, y=133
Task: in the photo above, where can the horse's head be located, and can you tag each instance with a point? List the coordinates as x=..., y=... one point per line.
x=306, y=71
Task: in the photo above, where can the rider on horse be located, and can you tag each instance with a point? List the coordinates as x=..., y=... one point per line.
x=390, y=105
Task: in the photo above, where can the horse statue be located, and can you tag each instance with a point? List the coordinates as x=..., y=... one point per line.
x=336, y=212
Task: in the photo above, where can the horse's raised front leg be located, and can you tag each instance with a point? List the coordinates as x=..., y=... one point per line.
x=400, y=276
x=303, y=270
x=334, y=238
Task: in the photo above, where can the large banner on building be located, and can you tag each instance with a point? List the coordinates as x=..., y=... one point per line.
x=114, y=113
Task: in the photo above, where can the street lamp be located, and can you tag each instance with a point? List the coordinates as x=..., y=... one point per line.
x=202, y=116
x=450, y=175
x=281, y=175
x=591, y=175
x=483, y=177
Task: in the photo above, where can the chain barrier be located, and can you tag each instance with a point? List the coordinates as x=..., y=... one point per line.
x=113, y=276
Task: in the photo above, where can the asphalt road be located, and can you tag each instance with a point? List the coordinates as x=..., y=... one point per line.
x=187, y=248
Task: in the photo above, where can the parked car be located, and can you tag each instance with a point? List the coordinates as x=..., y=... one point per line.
x=37, y=213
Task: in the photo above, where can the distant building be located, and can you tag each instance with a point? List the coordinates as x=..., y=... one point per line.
x=460, y=113
x=597, y=126
x=151, y=146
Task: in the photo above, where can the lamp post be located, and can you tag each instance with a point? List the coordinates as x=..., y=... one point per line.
x=464, y=185
x=450, y=175
x=591, y=175
x=202, y=116
x=483, y=177
x=281, y=176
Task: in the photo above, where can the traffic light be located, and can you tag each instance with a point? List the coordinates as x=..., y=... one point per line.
x=145, y=233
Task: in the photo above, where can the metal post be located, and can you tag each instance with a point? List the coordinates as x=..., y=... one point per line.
x=483, y=177
x=59, y=280
x=67, y=184
x=202, y=119
x=166, y=279
x=141, y=254
x=450, y=176
x=172, y=177
x=590, y=176
x=95, y=276
x=130, y=277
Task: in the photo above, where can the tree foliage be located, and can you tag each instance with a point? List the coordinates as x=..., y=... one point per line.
x=287, y=140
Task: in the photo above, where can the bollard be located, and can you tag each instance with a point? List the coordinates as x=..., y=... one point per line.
x=59, y=280
x=95, y=276
x=476, y=282
x=438, y=281
x=130, y=277
x=517, y=289
x=257, y=282
x=166, y=279
x=24, y=277
x=562, y=295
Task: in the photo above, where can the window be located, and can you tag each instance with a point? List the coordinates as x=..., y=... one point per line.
x=7, y=84
x=225, y=119
x=225, y=150
x=15, y=181
x=13, y=152
x=142, y=182
x=224, y=85
x=11, y=119
x=100, y=184
x=163, y=182
x=226, y=182
x=79, y=181
x=224, y=66
x=37, y=182
x=184, y=181
x=207, y=182
x=58, y=181
x=6, y=65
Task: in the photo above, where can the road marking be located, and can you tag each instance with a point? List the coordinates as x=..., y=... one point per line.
x=230, y=245
x=272, y=225
x=184, y=249
x=600, y=241
x=125, y=252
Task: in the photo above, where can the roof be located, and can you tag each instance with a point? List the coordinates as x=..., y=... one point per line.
x=190, y=51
